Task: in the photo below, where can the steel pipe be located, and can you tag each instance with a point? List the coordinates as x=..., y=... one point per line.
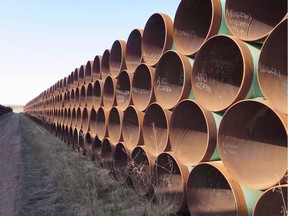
x=70, y=137
x=70, y=81
x=101, y=123
x=105, y=67
x=193, y=133
x=195, y=22
x=142, y=87
x=117, y=59
x=156, y=129
x=96, y=149
x=98, y=94
x=82, y=96
x=75, y=138
x=252, y=141
x=107, y=152
x=157, y=38
x=76, y=77
x=88, y=145
x=253, y=20
x=86, y=120
x=222, y=73
x=272, y=70
x=77, y=97
x=211, y=190
x=172, y=81
x=170, y=178
x=72, y=98
x=114, y=126
x=121, y=163
x=96, y=72
x=88, y=72
x=133, y=50
x=272, y=202
x=123, y=90
x=109, y=93
x=74, y=117
x=141, y=170
x=79, y=118
x=81, y=78
x=89, y=95
x=132, y=127
x=92, y=124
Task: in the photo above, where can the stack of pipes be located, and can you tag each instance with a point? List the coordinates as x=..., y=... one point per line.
x=193, y=112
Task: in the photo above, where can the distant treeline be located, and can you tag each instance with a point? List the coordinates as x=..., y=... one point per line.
x=4, y=109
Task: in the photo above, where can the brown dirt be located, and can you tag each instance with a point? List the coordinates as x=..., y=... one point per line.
x=10, y=159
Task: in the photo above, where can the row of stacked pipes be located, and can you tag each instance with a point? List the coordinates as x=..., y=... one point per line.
x=192, y=111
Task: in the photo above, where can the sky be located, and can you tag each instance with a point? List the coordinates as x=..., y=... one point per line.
x=43, y=41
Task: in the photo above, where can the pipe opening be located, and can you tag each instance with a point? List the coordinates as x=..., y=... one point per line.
x=81, y=77
x=195, y=21
x=96, y=73
x=218, y=73
x=83, y=96
x=155, y=129
x=117, y=58
x=131, y=130
x=120, y=163
x=169, y=182
x=157, y=38
x=133, y=50
x=109, y=93
x=141, y=171
x=172, y=79
x=96, y=148
x=93, y=118
x=98, y=94
x=107, y=154
x=272, y=202
x=85, y=120
x=115, y=125
x=76, y=73
x=193, y=133
x=79, y=118
x=252, y=133
x=123, y=90
x=142, y=87
x=75, y=138
x=88, y=72
x=272, y=67
x=77, y=97
x=105, y=68
x=74, y=118
x=253, y=20
x=209, y=193
x=101, y=123
x=89, y=95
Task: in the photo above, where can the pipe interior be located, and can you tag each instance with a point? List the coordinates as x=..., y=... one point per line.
x=217, y=73
x=253, y=20
x=155, y=131
x=251, y=131
x=142, y=87
x=209, y=193
x=130, y=127
x=133, y=50
x=154, y=38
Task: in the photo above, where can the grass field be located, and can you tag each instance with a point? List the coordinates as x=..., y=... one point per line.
x=59, y=181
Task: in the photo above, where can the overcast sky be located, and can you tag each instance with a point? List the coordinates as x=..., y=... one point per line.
x=44, y=41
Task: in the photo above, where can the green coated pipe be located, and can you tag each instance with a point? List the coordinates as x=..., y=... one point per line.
x=255, y=90
x=251, y=197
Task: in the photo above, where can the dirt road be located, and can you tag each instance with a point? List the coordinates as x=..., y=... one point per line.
x=10, y=159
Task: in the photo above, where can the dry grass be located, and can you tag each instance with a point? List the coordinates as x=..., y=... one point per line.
x=59, y=181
